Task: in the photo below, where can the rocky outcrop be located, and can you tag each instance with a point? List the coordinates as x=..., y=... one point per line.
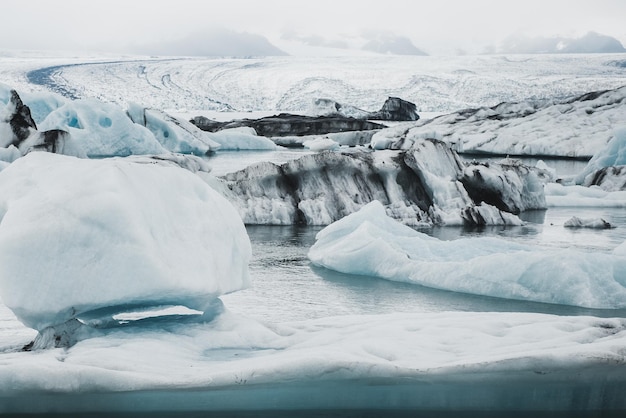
x=286, y=124
x=23, y=130
x=610, y=179
x=333, y=118
x=21, y=122
x=396, y=109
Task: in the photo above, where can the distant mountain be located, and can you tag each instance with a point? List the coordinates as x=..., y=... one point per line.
x=392, y=44
x=215, y=42
x=592, y=42
x=370, y=41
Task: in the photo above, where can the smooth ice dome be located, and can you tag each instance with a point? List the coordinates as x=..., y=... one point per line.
x=370, y=243
x=78, y=235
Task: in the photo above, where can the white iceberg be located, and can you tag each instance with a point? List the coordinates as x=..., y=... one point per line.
x=447, y=361
x=243, y=138
x=592, y=223
x=612, y=155
x=559, y=195
x=101, y=129
x=174, y=134
x=318, y=144
x=80, y=235
x=370, y=243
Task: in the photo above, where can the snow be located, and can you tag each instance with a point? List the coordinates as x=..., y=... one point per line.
x=142, y=236
x=336, y=353
x=572, y=127
x=370, y=243
x=79, y=235
x=434, y=84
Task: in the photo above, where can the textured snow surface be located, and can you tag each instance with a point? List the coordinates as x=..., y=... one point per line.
x=78, y=235
x=370, y=243
x=233, y=351
x=434, y=84
x=574, y=127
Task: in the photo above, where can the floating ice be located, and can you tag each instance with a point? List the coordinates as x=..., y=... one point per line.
x=79, y=235
x=581, y=196
x=101, y=129
x=242, y=138
x=593, y=223
x=613, y=154
x=173, y=134
x=573, y=127
x=321, y=144
x=451, y=360
x=370, y=243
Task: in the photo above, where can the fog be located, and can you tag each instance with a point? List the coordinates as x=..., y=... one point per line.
x=436, y=27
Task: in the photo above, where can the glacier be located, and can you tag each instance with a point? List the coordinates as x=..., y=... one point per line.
x=574, y=127
x=370, y=243
x=111, y=356
x=81, y=235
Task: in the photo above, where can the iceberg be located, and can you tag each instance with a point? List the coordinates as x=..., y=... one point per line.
x=607, y=167
x=370, y=243
x=573, y=127
x=425, y=184
x=242, y=138
x=406, y=362
x=101, y=129
x=172, y=133
x=78, y=236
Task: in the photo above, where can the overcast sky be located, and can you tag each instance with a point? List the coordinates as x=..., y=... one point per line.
x=436, y=26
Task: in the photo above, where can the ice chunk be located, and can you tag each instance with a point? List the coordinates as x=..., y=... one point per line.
x=174, y=134
x=370, y=243
x=613, y=154
x=243, y=138
x=581, y=196
x=321, y=144
x=101, y=129
x=594, y=223
x=78, y=235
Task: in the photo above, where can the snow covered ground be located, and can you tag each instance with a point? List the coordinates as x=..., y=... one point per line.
x=302, y=337
x=434, y=84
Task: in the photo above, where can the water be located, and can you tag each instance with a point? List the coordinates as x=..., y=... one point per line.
x=287, y=287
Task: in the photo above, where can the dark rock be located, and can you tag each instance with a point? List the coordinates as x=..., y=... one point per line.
x=51, y=141
x=611, y=178
x=286, y=124
x=396, y=109
x=21, y=121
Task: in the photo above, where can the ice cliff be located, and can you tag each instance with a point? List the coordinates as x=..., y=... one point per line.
x=425, y=184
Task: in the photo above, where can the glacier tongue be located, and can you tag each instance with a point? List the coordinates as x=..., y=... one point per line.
x=425, y=184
